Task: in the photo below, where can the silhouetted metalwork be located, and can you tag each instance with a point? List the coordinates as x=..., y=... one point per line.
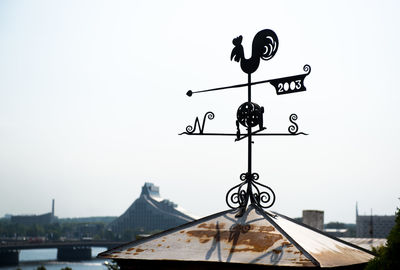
x=297, y=86
x=265, y=44
x=239, y=195
x=249, y=115
x=291, y=84
x=190, y=129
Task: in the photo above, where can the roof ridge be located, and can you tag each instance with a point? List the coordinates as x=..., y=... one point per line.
x=325, y=234
x=282, y=231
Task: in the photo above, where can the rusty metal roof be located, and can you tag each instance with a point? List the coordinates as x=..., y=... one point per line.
x=367, y=243
x=258, y=237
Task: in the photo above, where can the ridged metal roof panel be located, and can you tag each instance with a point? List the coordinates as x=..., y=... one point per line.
x=258, y=237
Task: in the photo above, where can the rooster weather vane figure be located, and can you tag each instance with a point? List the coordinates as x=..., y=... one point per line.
x=250, y=115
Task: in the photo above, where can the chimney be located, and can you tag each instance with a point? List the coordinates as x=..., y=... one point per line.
x=52, y=209
x=314, y=218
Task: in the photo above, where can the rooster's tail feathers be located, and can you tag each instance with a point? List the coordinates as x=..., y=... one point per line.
x=266, y=43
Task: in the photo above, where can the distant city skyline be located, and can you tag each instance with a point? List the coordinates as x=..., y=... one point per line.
x=92, y=98
x=116, y=216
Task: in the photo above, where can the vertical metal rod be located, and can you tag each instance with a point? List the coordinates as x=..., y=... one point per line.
x=249, y=189
x=249, y=127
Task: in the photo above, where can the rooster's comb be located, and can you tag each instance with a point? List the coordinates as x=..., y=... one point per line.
x=237, y=41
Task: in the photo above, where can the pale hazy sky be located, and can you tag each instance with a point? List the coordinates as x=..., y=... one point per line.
x=92, y=97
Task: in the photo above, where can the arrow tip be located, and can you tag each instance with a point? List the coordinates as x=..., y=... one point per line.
x=189, y=93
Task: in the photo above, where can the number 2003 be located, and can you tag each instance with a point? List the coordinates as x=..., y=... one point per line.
x=283, y=87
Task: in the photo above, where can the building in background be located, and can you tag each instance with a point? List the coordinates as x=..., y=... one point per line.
x=373, y=226
x=150, y=213
x=47, y=218
x=314, y=218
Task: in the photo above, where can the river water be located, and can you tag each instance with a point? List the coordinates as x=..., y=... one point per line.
x=31, y=259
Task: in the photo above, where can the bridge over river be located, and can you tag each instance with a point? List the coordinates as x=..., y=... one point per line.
x=66, y=250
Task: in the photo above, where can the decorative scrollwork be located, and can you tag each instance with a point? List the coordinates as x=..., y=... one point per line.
x=264, y=199
x=250, y=114
x=307, y=68
x=293, y=128
x=255, y=176
x=191, y=129
x=238, y=197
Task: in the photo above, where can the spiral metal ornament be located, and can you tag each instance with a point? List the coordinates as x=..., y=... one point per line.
x=259, y=194
x=307, y=68
x=250, y=114
x=191, y=129
x=235, y=197
x=265, y=198
x=293, y=128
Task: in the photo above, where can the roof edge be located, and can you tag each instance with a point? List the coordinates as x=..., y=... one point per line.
x=327, y=235
x=209, y=265
x=143, y=240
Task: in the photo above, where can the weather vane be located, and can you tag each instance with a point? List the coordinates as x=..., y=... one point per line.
x=250, y=115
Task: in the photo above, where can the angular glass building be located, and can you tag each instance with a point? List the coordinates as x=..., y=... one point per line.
x=150, y=212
